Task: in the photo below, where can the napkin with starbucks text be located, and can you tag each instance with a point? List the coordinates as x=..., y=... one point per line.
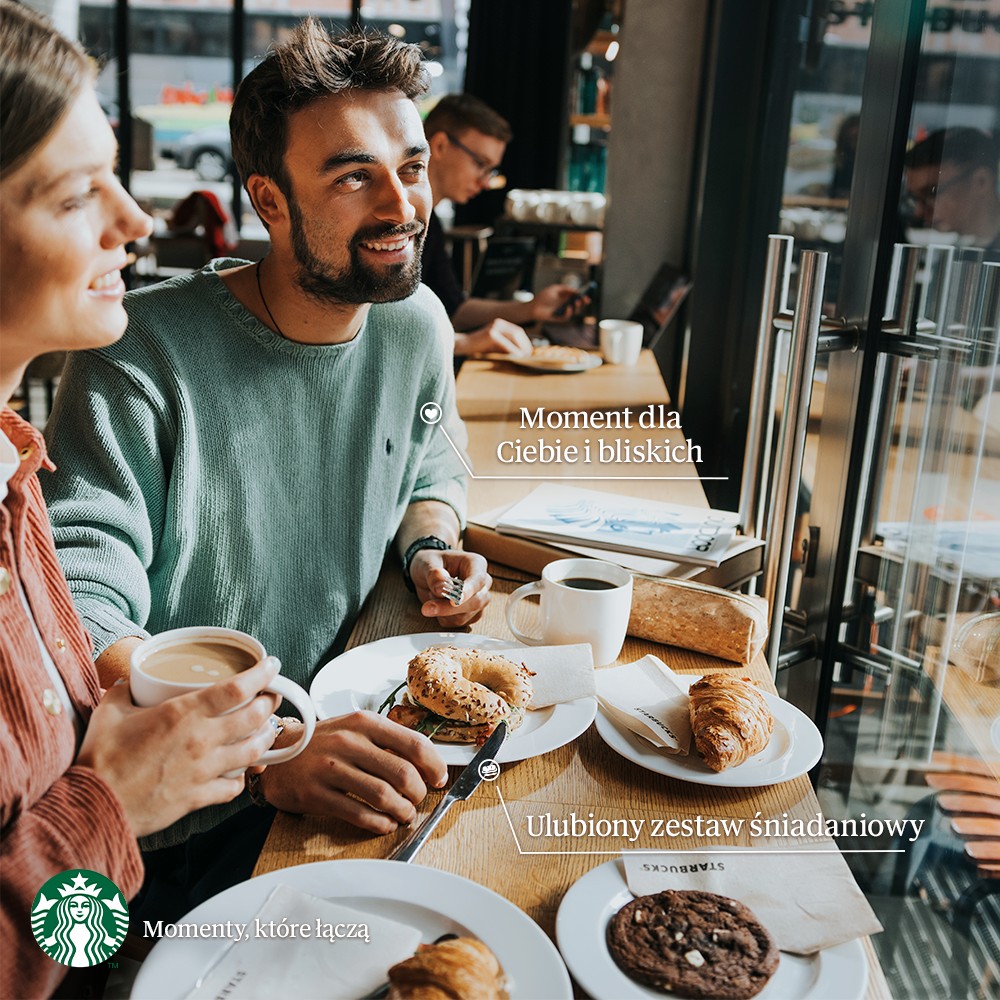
x=808, y=900
x=314, y=961
x=649, y=699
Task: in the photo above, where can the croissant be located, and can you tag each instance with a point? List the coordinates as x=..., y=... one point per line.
x=460, y=969
x=730, y=720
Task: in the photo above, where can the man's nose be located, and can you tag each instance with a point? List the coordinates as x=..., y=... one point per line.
x=394, y=203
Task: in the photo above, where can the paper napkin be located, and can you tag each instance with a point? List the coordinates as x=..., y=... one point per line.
x=308, y=963
x=648, y=698
x=562, y=673
x=807, y=901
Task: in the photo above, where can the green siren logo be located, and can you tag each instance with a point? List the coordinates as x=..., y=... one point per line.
x=79, y=918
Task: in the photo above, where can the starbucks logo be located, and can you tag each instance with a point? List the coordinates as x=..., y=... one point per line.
x=79, y=918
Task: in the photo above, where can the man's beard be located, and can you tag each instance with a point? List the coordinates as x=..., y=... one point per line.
x=357, y=283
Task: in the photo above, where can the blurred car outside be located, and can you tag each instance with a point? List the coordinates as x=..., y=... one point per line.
x=206, y=151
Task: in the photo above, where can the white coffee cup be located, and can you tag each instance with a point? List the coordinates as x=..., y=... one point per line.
x=587, y=209
x=148, y=689
x=582, y=600
x=621, y=341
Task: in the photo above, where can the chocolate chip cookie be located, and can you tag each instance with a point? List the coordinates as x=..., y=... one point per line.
x=693, y=944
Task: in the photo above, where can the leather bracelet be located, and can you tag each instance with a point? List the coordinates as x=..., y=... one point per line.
x=427, y=542
x=255, y=792
x=253, y=785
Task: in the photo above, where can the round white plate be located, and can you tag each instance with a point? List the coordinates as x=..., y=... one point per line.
x=434, y=901
x=794, y=747
x=839, y=973
x=364, y=676
x=541, y=364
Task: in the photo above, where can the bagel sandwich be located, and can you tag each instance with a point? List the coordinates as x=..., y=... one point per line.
x=459, y=695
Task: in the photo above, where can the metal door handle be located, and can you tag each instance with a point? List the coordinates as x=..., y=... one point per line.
x=757, y=454
x=787, y=474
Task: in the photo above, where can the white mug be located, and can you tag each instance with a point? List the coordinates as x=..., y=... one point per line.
x=582, y=600
x=148, y=690
x=621, y=341
x=587, y=209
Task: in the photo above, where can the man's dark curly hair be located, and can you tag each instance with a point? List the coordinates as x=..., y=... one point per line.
x=310, y=65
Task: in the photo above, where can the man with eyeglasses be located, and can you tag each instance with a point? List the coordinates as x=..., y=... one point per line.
x=951, y=185
x=467, y=139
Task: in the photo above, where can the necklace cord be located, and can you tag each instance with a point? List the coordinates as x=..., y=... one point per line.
x=260, y=292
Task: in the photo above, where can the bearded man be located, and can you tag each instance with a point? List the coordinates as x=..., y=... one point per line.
x=248, y=454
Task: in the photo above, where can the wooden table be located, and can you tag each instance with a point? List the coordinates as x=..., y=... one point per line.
x=975, y=704
x=474, y=839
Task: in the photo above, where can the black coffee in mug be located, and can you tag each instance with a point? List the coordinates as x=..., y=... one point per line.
x=587, y=583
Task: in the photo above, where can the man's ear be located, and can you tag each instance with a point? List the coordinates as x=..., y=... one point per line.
x=267, y=199
x=438, y=143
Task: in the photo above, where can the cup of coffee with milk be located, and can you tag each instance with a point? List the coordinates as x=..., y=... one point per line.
x=183, y=660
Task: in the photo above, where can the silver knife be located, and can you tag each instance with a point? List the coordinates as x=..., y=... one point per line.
x=465, y=784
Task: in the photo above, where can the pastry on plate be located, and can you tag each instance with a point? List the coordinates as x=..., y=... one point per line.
x=460, y=969
x=559, y=354
x=730, y=720
x=693, y=944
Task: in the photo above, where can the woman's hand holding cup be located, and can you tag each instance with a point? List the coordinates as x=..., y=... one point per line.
x=185, y=660
x=184, y=753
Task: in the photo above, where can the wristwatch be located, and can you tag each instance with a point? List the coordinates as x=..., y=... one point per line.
x=427, y=542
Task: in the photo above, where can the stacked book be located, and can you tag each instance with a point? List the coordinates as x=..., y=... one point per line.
x=654, y=538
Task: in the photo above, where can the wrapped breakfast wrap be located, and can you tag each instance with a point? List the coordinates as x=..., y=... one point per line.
x=698, y=617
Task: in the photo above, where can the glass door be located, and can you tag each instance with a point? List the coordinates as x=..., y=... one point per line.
x=893, y=587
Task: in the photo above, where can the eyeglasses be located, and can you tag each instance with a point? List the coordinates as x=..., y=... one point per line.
x=486, y=172
x=926, y=195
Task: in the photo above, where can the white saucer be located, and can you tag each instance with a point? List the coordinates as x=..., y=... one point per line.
x=363, y=677
x=434, y=901
x=839, y=973
x=795, y=746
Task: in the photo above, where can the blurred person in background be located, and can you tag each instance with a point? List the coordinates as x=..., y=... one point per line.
x=468, y=140
x=951, y=185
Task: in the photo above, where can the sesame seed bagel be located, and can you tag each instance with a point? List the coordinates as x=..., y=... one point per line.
x=472, y=688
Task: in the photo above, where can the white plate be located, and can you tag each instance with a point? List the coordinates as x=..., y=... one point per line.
x=434, y=901
x=794, y=747
x=364, y=676
x=839, y=973
x=585, y=364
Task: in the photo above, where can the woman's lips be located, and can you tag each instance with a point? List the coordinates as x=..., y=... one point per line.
x=109, y=285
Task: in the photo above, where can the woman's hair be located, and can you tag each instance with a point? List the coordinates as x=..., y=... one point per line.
x=41, y=73
x=309, y=65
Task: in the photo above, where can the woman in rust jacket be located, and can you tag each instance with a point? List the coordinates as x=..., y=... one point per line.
x=82, y=773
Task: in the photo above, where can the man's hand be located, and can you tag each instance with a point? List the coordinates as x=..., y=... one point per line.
x=166, y=761
x=431, y=571
x=549, y=301
x=498, y=336
x=360, y=768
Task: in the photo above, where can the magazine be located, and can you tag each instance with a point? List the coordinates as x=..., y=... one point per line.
x=560, y=514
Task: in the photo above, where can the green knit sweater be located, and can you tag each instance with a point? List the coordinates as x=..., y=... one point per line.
x=211, y=472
